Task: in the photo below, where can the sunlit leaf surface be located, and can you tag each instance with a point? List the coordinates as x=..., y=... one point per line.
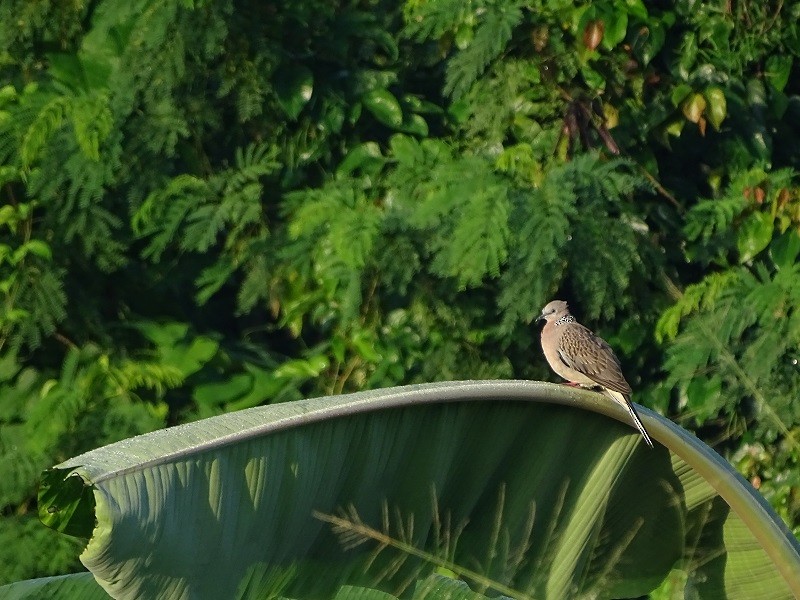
x=517, y=488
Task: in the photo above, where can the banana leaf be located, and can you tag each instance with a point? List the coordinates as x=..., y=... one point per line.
x=518, y=489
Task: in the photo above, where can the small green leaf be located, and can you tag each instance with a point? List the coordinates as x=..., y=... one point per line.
x=592, y=78
x=688, y=54
x=716, y=31
x=190, y=359
x=39, y=248
x=8, y=93
x=7, y=175
x=373, y=79
x=264, y=387
x=754, y=235
x=464, y=35
x=680, y=93
x=647, y=42
x=581, y=16
x=219, y=392
x=778, y=69
x=5, y=288
x=635, y=8
x=785, y=249
x=15, y=315
x=686, y=7
x=333, y=119
x=416, y=125
x=756, y=93
x=354, y=114
x=387, y=42
x=420, y=106
x=365, y=346
x=405, y=149
x=616, y=23
x=49, y=120
x=178, y=347
x=366, y=156
x=384, y=107
x=338, y=348
x=459, y=111
x=717, y=108
x=704, y=397
x=302, y=368
x=294, y=85
x=24, y=209
x=757, y=132
x=8, y=216
x=18, y=255
x=67, y=68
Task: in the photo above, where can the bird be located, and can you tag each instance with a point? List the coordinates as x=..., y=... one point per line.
x=584, y=359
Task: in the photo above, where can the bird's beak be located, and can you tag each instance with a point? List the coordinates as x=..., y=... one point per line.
x=539, y=319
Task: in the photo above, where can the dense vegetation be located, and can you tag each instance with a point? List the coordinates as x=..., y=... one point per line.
x=209, y=205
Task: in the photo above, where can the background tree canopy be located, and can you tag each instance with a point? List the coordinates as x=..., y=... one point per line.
x=211, y=205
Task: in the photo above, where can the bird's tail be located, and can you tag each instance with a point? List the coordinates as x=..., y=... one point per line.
x=625, y=401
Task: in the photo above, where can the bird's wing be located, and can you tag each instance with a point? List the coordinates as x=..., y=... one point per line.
x=582, y=350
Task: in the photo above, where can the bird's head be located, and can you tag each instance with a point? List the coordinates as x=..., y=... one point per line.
x=553, y=310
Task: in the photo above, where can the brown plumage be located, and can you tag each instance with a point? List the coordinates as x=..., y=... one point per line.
x=575, y=353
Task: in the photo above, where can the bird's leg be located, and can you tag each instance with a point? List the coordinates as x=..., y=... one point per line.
x=571, y=383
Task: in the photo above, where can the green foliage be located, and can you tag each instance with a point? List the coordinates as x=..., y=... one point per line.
x=31, y=292
x=743, y=218
x=223, y=210
x=734, y=358
x=774, y=474
x=488, y=40
x=741, y=322
x=578, y=222
x=42, y=418
x=459, y=205
x=23, y=539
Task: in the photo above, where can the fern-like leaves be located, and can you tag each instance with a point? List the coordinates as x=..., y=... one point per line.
x=46, y=124
x=491, y=37
x=739, y=325
x=334, y=229
x=577, y=224
x=541, y=229
x=741, y=328
x=496, y=21
x=165, y=211
x=192, y=214
x=460, y=205
x=698, y=297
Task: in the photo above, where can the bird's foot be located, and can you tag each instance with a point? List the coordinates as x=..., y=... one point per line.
x=597, y=388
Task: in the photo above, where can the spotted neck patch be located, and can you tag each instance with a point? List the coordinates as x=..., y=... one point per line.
x=565, y=319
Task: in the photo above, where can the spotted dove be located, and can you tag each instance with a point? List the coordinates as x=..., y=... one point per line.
x=584, y=359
